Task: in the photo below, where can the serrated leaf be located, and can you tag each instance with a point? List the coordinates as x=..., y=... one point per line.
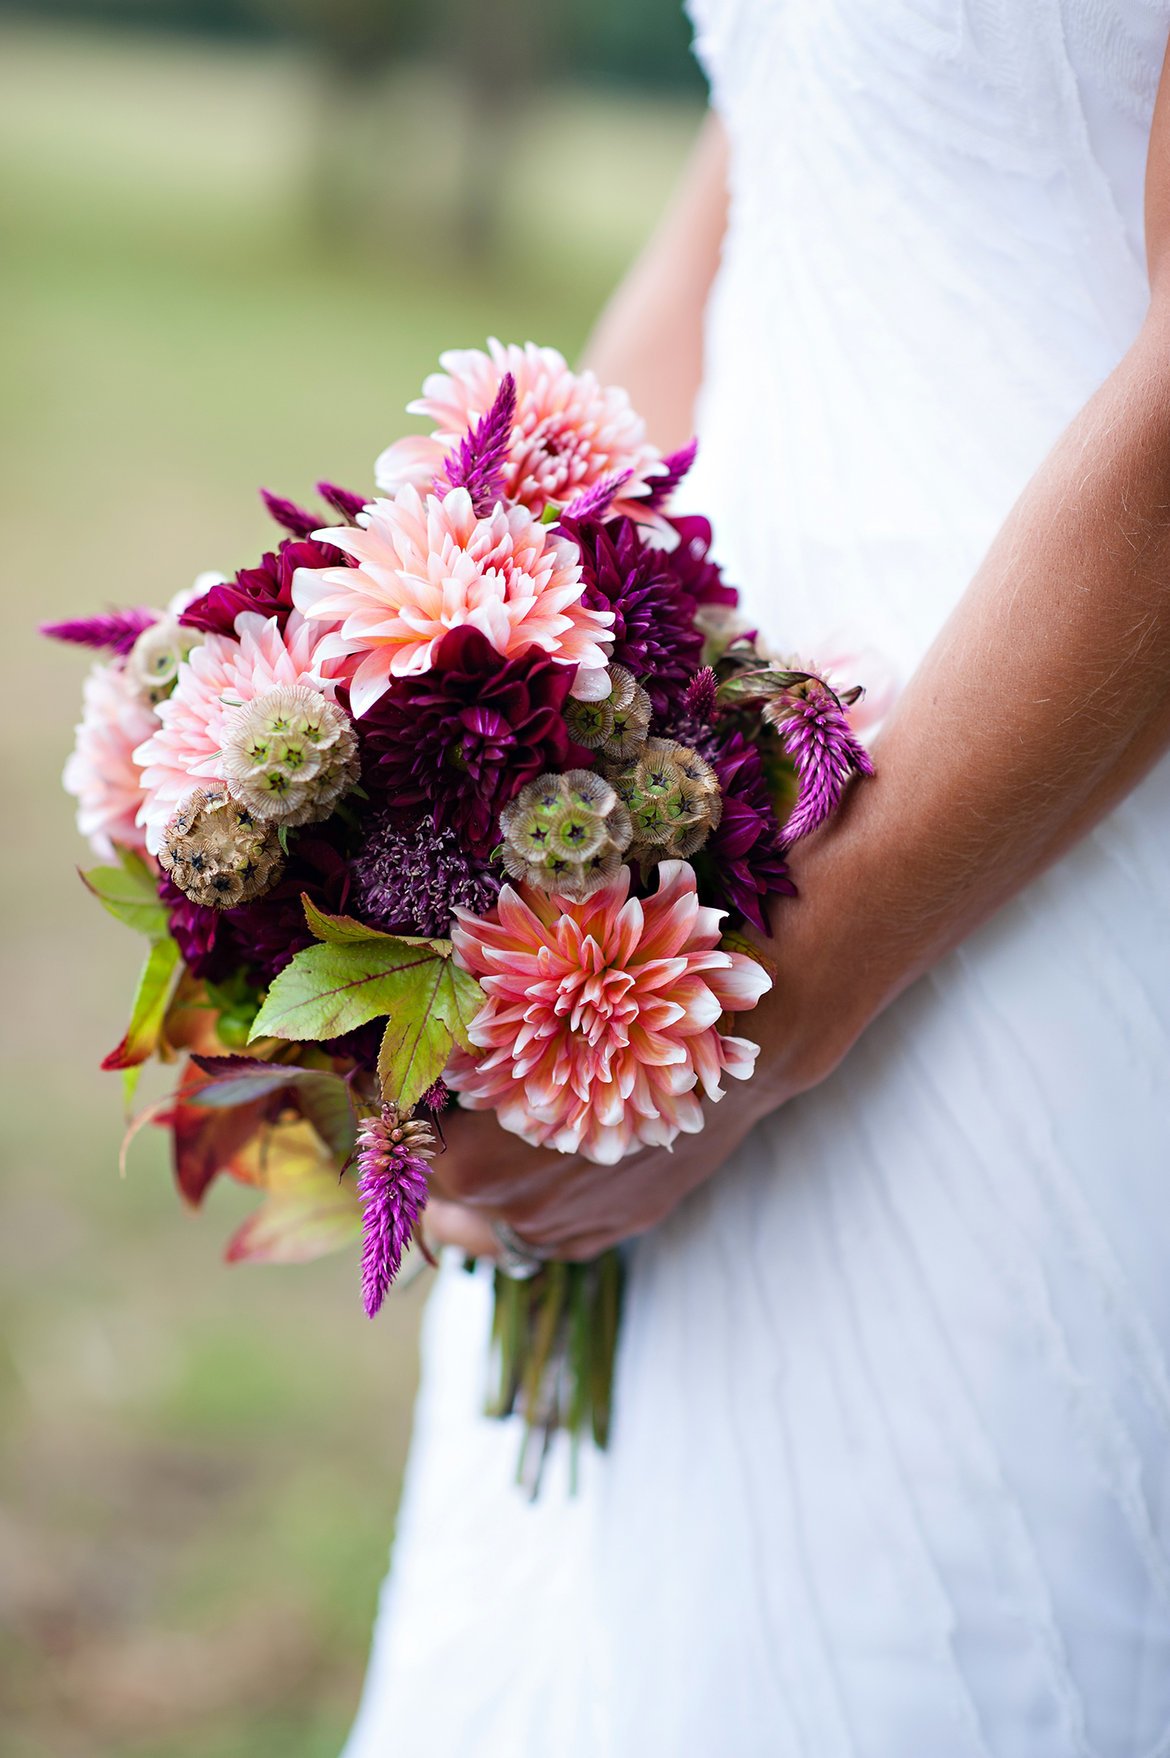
x=130, y=893
x=437, y=1004
x=330, y=989
x=338, y=930
x=150, y=1006
x=414, y=1053
x=308, y=1210
x=461, y=999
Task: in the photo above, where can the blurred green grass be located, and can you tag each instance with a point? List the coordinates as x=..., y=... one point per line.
x=198, y=1467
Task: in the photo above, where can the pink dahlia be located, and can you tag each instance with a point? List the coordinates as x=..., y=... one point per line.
x=601, y=1020
x=569, y=432
x=221, y=675
x=423, y=567
x=101, y=771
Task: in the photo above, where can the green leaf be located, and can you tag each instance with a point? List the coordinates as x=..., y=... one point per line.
x=150, y=1006
x=130, y=893
x=436, y=1010
x=334, y=988
x=460, y=999
x=338, y=930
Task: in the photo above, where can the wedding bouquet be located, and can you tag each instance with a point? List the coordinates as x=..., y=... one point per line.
x=461, y=794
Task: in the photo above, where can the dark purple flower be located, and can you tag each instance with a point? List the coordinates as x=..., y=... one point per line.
x=203, y=935
x=265, y=934
x=698, y=703
x=117, y=631
x=825, y=751
x=654, y=630
x=392, y=1160
x=266, y=589
x=409, y=878
x=697, y=575
x=742, y=862
x=295, y=519
x=348, y=504
x=477, y=463
x=271, y=929
x=464, y=737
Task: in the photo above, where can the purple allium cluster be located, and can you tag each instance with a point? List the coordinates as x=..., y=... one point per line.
x=392, y=1186
x=410, y=877
x=463, y=738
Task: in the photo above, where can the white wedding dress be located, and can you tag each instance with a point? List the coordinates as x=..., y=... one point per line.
x=890, y=1474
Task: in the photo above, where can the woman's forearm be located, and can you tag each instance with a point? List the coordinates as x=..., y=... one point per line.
x=1043, y=701
x=650, y=336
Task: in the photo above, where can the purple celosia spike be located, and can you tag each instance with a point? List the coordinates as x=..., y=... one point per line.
x=699, y=696
x=825, y=752
x=392, y=1186
x=295, y=519
x=348, y=504
x=595, y=501
x=436, y=1098
x=478, y=462
x=674, y=467
x=117, y=631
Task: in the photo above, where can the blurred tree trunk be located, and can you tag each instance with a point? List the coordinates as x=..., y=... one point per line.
x=496, y=51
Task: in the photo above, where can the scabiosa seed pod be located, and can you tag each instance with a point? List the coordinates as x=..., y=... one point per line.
x=619, y=724
x=565, y=833
x=217, y=853
x=673, y=798
x=154, y=660
x=392, y=1155
x=290, y=754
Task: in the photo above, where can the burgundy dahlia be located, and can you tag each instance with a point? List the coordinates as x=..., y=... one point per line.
x=409, y=878
x=392, y=1185
x=266, y=588
x=654, y=594
x=742, y=862
x=203, y=935
x=464, y=737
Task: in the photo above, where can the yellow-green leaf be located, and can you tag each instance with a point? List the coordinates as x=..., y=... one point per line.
x=150, y=1006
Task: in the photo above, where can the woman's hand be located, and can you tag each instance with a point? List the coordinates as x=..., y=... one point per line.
x=568, y=1207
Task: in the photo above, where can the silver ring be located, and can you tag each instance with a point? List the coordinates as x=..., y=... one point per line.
x=517, y=1258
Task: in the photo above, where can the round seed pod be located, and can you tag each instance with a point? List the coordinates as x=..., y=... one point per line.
x=217, y=852
x=673, y=798
x=290, y=754
x=565, y=833
x=616, y=726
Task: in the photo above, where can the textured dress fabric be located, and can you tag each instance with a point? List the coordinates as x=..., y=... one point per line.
x=890, y=1474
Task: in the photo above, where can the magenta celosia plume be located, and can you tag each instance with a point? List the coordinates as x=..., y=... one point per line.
x=601, y=1024
x=392, y=1188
